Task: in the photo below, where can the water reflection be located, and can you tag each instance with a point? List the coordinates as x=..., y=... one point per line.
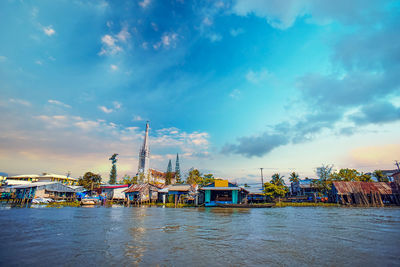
x=137, y=246
x=205, y=236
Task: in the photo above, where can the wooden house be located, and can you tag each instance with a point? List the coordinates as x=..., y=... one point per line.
x=113, y=191
x=139, y=193
x=182, y=193
x=223, y=192
x=53, y=190
x=365, y=193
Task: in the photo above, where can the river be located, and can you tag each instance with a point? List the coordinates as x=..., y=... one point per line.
x=291, y=236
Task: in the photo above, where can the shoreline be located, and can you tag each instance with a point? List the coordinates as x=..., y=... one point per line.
x=172, y=205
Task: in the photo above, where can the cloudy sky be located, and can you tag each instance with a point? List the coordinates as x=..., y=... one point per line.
x=231, y=86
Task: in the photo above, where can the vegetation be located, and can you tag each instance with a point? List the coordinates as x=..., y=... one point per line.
x=294, y=177
x=168, y=175
x=380, y=176
x=273, y=191
x=128, y=180
x=63, y=204
x=277, y=179
x=305, y=204
x=195, y=177
x=349, y=175
x=90, y=180
x=113, y=172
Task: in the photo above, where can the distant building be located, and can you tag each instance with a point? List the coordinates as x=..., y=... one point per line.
x=32, y=178
x=223, y=192
x=396, y=177
x=113, y=191
x=304, y=187
x=52, y=190
x=365, y=193
x=138, y=193
x=159, y=177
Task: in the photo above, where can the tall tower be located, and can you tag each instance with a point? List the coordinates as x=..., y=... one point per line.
x=177, y=169
x=144, y=154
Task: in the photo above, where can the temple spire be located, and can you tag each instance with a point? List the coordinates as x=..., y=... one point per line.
x=144, y=154
x=177, y=170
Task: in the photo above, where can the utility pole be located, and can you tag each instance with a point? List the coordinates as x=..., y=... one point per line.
x=397, y=164
x=262, y=179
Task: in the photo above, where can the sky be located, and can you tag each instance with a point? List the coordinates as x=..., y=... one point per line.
x=232, y=86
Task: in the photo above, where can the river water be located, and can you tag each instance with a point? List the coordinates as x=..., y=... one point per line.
x=201, y=237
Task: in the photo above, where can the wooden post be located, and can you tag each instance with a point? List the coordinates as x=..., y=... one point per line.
x=176, y=200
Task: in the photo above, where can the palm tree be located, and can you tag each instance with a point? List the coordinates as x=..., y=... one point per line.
x=380, y=176
x=294, y=177
x=277, y=179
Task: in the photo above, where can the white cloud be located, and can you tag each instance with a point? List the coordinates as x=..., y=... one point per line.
x=59, y=103
x=87, y=125
x=105, y=109
x=257, y=77
x=207, y=21
x=117, y=105
x=108, y=40
x=144, y=3
x=39, y=62
x=49, y=31
x=235, y=94
x=113, y=67
x=169, y=39
x=154, y=26
x=214, y=37
x=236, y=32
x=109, y=45
x=20, y=102
x=137, y=118
x=3, y=58
x=124, y=34
x=283, y=14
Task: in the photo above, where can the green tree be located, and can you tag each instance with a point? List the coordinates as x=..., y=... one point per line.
x=277, y=179
x=345, y=175
x=206, y=179
x=140, y=178
x=380, y=176
x=274, y=191
x=349, y=175
x=128, y=180
x=90, y=180
x=113, y=172
x=365, y=177
x=294, y=177
x=194, y=176
x=324, y=174
x=168, y=175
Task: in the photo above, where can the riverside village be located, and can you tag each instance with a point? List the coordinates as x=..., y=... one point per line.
x=344, y=187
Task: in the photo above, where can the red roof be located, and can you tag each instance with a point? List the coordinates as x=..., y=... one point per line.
x=383, y=188
x=113, y=186
x=139, y=187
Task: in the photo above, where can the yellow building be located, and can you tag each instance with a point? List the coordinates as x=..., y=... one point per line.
x=49, y=177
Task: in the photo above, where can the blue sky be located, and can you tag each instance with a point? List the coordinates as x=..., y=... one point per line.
x=230, y=85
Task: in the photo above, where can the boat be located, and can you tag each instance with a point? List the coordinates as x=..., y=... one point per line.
x=90, y=201
x=266, y=205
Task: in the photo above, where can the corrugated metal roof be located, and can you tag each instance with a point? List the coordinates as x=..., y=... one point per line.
x=221, y=188
x=181, y=187
x=49, y=186
x=113, y=186
x=139, y=187
x=383, y=188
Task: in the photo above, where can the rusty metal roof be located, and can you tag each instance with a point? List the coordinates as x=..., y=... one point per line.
x=383, y=188
x=180, y=187
x=139, y=187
